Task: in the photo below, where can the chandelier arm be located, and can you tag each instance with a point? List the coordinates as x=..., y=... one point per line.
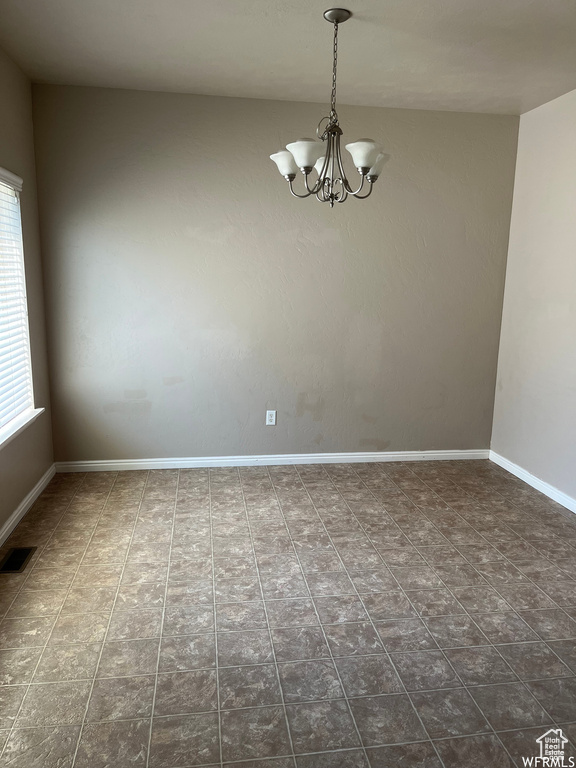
x=327, y=172
x=315, y=186
x=342, y=172
x=321, y=194
x=354, y=193
x=290, y=184
x=363, y=197
x=324, y=169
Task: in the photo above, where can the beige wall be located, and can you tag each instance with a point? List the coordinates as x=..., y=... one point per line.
x=535, y=409
x=24, y=460
x=188, y=292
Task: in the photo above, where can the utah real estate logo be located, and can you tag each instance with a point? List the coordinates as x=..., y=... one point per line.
x=552, y=748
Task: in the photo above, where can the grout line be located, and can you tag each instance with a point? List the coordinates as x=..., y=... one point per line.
x=321, y=627
x=568, y=676
x=161, y=631
x=281, y=690
x=393, y=667
x=464, y=611
x=218, y=702
x=83, y=723
x=390, y=659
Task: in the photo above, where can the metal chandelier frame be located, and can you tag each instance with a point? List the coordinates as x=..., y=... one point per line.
x=332, y=185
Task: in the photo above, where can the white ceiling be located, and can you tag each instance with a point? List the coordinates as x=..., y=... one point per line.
x=504, y=56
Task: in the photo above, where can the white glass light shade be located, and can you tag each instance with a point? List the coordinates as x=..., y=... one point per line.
x=364, y=152
x=285, y=162
x=376, y=169
x=306, y=152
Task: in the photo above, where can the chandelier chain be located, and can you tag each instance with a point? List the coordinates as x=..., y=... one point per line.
x=333, y=113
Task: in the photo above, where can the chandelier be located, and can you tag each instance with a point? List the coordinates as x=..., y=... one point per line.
x=331, y=186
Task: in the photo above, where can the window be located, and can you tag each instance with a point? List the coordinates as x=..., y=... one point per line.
x=16, y=397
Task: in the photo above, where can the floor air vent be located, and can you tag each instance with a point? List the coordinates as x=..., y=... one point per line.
x=16, y=560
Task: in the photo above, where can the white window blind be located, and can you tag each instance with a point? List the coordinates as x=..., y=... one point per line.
x=15, y=367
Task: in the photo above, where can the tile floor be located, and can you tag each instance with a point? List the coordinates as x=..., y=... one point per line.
x=335, y=616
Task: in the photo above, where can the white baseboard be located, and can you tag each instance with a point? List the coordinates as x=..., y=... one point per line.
x=254, y=461
x=545, y=488
x=25, y=504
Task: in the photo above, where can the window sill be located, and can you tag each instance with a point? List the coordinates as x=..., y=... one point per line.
x=18, y=425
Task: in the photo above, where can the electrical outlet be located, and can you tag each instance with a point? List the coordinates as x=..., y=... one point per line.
x=270, y=418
